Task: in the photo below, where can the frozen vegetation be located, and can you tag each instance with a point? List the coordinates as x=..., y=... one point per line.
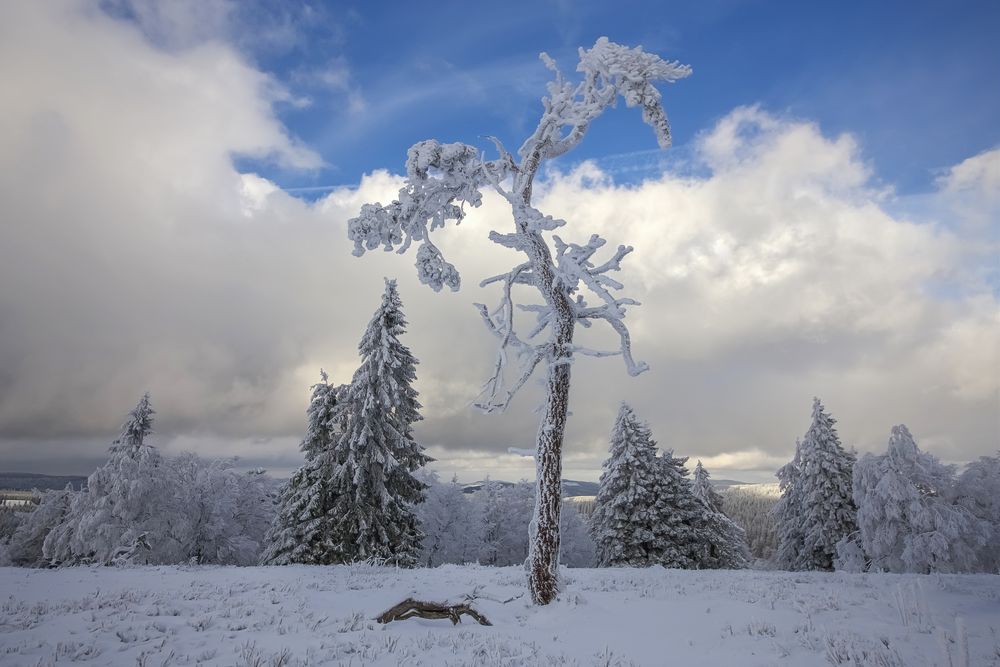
x=323, y=615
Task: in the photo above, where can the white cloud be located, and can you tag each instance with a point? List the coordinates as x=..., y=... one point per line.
x=133, y=256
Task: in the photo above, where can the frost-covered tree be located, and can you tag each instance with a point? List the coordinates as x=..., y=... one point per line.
x=787, y=512
x=226, y=512
x=506, y=511
x=684, y=528
x=907, y=521
x=703, y=490
x=129, y=506
x=577, y=548
x=645, y=512
x=451, y=523
x=302, y=528
x=374, y=487
x=25, y=548
x=443, y=178
x=726, y=543
x=819, y=511
x=978, y=490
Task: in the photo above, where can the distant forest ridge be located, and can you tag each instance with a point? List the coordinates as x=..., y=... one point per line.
x=26, y=481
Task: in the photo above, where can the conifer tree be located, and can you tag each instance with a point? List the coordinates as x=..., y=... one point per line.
x=645, y=513
x=726, y=545
x=683, y=528
x=301, y=531
x=820, y=510
x=375, y=490
x=128, y=504
x=788, y=511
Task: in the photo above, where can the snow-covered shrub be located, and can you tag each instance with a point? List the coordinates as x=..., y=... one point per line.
x=25, y=544
x=224, y=513
x=451, y=522
x=816, y=510
x=907, y=521
x=506, y=512
x=978, y=490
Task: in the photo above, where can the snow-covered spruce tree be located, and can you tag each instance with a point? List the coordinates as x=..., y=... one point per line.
x=907, y=521
x=644, y=508
x=451, y=523
x=726, y=545
x=301, y=530
x=821, y=510
x=128, y=512
x=374, y=487
x=787, y=512
x=978, y=490
x=443, y=178
x=684, y=527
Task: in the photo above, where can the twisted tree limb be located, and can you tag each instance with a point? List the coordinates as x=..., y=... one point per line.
x=409, y=608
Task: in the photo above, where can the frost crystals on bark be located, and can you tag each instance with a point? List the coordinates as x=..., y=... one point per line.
x=443, y=178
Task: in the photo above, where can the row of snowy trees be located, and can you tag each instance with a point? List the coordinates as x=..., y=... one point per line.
x=490, y=526
x=902, y=511
x=647, y=511
x=141, y=507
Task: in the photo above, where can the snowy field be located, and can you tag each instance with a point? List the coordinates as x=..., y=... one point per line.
x=301, y=615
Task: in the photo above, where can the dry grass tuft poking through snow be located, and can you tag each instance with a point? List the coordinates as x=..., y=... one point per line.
x=301, y=615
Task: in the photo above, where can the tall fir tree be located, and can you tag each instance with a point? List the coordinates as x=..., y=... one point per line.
x=821, y=509
x=301, y=531
x=726, y=545
x=375, y=490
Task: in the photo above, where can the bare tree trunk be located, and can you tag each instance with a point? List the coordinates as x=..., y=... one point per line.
x=543, y=553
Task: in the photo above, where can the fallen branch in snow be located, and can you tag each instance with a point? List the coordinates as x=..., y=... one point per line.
x=409, y=608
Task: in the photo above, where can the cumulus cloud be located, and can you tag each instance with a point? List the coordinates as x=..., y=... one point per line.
x=134, y=256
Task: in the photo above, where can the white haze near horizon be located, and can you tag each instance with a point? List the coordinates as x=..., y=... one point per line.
x=776, y=266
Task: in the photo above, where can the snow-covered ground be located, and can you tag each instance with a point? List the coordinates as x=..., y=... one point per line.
x=302, y=615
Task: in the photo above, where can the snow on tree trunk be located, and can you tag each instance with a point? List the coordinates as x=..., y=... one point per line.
x=441, y=179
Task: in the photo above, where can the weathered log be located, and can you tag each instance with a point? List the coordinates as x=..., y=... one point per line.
x=409, y=608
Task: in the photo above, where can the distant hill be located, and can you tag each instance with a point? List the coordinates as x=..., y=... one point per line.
x=571, y=487
x=26, y=481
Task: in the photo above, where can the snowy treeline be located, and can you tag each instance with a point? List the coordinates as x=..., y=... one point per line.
x=750, y=506
x=902, y=511
x=141, y=507
x=490, y=526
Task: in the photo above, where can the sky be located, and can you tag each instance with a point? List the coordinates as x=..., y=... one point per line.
x=177, y=179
